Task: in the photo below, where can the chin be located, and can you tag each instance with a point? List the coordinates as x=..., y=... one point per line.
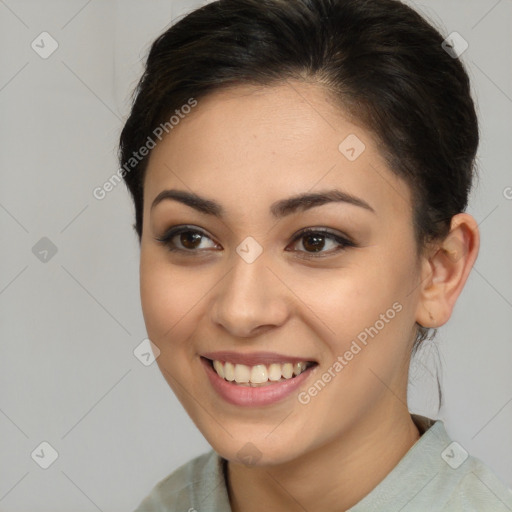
x=251, y=452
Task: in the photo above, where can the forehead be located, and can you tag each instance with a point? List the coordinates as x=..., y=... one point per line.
x=249, y=145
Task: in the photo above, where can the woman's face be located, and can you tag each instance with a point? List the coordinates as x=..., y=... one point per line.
x=250, y=285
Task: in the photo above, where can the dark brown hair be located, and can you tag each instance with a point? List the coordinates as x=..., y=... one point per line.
x=380, y=60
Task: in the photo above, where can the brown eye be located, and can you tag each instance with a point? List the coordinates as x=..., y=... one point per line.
x=314, y=243
x=315, y=240
x=190, y=239
x=184, y=239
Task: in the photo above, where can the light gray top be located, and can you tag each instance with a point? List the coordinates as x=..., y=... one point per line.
x=435, y=475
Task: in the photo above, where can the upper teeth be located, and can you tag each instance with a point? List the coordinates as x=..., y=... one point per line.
x=257, y=374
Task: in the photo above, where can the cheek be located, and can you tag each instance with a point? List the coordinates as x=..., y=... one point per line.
x=368, y=301
x=366, y=317
x=166, y=296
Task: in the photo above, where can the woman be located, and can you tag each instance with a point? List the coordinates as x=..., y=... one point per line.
x=300, y=172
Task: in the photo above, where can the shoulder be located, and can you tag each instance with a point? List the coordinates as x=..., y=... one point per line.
x=185, y=486
x=478, y=489
x=453, y=479
x=438, y=475
x=460, y=481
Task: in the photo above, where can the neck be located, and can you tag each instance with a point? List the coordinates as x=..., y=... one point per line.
x=345, y=469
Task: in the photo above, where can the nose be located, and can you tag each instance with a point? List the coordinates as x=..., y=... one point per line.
x=251, y=299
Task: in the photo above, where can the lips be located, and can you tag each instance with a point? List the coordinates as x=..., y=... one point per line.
x=247, y=396
x=254, y=358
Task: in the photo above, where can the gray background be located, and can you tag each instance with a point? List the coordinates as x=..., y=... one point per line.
x=69, y=326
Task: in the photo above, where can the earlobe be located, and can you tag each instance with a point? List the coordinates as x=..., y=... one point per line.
x=445, y=271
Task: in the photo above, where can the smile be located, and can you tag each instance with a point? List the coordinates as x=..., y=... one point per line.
x=256, y=385
x=260, y=374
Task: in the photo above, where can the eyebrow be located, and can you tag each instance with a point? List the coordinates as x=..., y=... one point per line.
x=278, y=209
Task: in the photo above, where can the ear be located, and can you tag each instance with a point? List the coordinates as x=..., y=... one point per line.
x=445, y=270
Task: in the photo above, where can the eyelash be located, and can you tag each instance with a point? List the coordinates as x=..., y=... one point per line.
x=344, y=242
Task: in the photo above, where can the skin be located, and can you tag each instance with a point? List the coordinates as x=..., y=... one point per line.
x=245, y=148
